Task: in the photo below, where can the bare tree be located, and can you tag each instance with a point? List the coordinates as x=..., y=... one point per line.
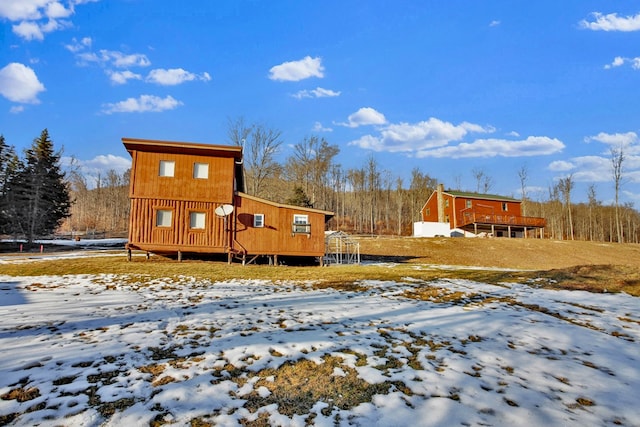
x=523, y=174
x=565, y=186
x=617, y=158
x=260, y=146
x=483, y=181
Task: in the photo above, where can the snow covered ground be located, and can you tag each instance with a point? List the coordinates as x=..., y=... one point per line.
x=129, y=350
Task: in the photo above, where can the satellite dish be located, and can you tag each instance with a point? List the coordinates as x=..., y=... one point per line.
x=224, y=210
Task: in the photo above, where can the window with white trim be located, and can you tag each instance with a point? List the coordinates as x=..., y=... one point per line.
x=201, y=170
x=258, y=220
x=301, y=224
x=164, y=218
x=505, y=206
x=469, y=203
x=197, y=220
x=167, y=168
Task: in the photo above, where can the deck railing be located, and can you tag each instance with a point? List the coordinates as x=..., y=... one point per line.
x=471, y=217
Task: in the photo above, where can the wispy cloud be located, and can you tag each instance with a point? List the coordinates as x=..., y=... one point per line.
x=316, y=93
x=317, y=127
x=611, y=22
x=294, y=71
x=494, y=23
x=495, y=147
x=19, y=83
x=142, y=104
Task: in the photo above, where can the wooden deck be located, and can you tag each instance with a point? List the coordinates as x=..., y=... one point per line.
x=504, y=219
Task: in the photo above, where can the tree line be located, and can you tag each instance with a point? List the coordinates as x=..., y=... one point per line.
x=365, y=200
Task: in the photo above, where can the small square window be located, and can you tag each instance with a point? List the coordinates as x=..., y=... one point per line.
x=201, y=170
x=258, y=220
x=197, y=220
x=468, y=203
x=301, y=224
x=163, y=218
x=446, y=203
x=167, y=168
x=505, y=206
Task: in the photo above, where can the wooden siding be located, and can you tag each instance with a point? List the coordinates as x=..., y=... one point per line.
x=146, y=182
x=277, y=237
x=485, y=211
x=144, y=234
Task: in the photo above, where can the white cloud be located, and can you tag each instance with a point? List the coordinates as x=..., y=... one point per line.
x=615, y=139
x=532, y=146
x=294, y=71
x=612, y=22
x=619, y=61
x=16, y=109
x=98, y=167
x=142, y=104
x=494, y=23
x=174, y=76
x=19, y=83
x=18, y=10
x=122, y=77
x=560, y=166
x=418, y=137
x=35, y=18
x=365, y=116
x=316, y=93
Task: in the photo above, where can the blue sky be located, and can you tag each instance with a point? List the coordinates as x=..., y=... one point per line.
x=448, y=87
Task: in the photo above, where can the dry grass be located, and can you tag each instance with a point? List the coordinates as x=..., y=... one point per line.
x=594, y=267
x=297, y=386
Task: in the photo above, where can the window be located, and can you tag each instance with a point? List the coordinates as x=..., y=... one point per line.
x=163, y=218
x=505, y=206
x=201, y=170
x=446, y=203
x=428, y=212
x=197, y=220
x=301, y=224
x=258, y=220
x=468, y=203
x=167, y=167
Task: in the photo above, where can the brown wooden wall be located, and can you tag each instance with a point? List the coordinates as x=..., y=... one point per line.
x=146, y=182
x=144, y=234
x=276, y=237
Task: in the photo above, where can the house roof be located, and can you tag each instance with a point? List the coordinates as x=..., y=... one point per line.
x=280, y=205
x=470, y=195
x=174, y=147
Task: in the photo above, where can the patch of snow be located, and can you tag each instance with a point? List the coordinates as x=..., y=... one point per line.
x=102, y=350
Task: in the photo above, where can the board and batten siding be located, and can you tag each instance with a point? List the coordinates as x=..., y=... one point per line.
x=144, y=231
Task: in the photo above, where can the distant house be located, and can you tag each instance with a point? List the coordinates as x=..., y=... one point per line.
x=476, y=213
x=189, y=198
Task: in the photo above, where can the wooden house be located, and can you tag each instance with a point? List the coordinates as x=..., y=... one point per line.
x=189, y=198
x=480, y=213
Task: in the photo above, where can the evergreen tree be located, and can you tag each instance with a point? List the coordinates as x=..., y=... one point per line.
x=9, y=164
x=39, y=195
x=299, y=198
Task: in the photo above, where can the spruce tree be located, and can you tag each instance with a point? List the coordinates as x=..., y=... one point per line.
x=39, y=194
